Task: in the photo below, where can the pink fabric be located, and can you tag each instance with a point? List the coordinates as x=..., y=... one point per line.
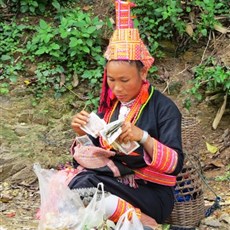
x=114, y=168
x=93, y=157
x=164, y=158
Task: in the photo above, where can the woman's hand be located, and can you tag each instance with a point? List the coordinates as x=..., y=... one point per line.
x=130, y=132
x=79, y=120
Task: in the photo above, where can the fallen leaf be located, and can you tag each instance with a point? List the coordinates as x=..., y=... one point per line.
x=62, y=82
x=75, y=81
x=189, y=30
x=213, y=165
x=221, y=29
x=192, y=16
x=211, y=148
x=86, y=8
x=10, y=214
x=27, y=82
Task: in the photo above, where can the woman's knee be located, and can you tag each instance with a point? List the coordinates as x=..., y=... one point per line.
x=84, y=180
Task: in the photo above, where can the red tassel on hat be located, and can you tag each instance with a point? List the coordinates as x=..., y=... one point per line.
x=106, y=96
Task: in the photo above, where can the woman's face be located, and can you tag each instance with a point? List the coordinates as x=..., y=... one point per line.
x=124, y=79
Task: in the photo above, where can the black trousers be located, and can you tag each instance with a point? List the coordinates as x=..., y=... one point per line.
x=152, y=199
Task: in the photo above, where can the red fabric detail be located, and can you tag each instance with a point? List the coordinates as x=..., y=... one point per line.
x=149, y=174
x=145, y=92
x=106, y=97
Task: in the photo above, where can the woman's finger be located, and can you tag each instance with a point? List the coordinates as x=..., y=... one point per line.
x=80, y=119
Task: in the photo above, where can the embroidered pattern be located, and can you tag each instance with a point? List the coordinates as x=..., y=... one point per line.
x=122, y=207
x=125, y=43
x=133, y=113
x=123, y=14
x=164, y=159
x=149, y=174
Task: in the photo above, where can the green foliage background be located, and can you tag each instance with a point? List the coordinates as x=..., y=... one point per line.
x=67, y=43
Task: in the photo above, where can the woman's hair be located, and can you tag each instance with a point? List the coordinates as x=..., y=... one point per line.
x=139, y=65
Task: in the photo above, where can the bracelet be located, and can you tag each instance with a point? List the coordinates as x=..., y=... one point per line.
x=144, y=137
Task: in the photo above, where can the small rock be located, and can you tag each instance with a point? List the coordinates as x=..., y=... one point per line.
x=3, y=208
x=21, y=130
x=212, y=222
x=225, y=217
x=20, y=91
x=5, y=198
x=25, y=117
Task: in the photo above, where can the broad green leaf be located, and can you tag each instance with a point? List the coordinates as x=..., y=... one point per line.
x=43, y=24
x=64, y=33
x=73, y=53
x=13, y=78
x=47, y=38
x=73, y=42
x=55, y=46
x=56, y=5
x=40, y=51
x=204, y=32
x=91, y=29
x=86, y=49
x=89, y=42
x=5, y=57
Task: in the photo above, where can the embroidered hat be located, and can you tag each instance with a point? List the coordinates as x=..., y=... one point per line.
x=125, y=43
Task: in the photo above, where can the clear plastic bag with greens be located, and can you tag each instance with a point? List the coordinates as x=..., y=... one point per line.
x=129, y=221
x=94, y=213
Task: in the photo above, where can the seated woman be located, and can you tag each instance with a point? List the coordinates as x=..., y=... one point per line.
x=145, y=178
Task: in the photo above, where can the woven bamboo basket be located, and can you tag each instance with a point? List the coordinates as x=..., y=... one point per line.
x=191, y=138
x=189, y=206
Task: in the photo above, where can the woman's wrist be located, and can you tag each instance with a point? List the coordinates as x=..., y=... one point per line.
x=144, y=138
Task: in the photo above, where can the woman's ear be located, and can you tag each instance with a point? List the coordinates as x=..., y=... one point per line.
x=144, y=72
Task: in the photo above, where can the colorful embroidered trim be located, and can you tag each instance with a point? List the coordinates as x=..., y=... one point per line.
x=140, y=100
x=125, y=43
x=122, y=207
x=164, y=159
x=149, y=174
x=123, y=14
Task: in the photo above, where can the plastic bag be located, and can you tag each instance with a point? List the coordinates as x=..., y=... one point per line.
x=63, y=209
x=129, y=221
x=93, y=215
x=60, y=207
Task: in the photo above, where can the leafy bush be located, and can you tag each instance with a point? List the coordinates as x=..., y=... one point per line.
x=65, y=49
x=176, y=20
x=210, y=76
x=10, y=35
x=67, y=46
x=32, y=7
x=72, y=43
